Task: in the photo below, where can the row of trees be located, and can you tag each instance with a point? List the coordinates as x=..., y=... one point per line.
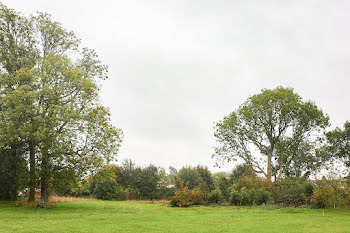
x=124, y=182
x=51, y=120
x=198, y=186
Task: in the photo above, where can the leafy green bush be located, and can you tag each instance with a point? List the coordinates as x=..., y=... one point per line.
x=261, y=196
x=293, y=191
x=240, y=197
x=308, y=188
x=330, y=193
x=252, y=196
x=109, y=190
x=215, y=196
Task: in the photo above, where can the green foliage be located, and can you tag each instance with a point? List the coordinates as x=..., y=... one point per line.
x=198, y=197
x=277, y=123
x=82, y=188
x=223, y=182
x=109, y=190
x=215, y=196
x=330, y=193
x=252, y=196
x=339, y=144
x=49, y=101
x=189, y=176
x=293, y=192
x=197, y=177
x=241, y=170
x=182, y=196
x=250, y=182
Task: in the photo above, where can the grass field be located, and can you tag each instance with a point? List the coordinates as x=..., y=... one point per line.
x=112, y=216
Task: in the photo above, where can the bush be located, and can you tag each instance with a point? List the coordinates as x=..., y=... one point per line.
x=82, y=188
x=240, y=197
x=308, y=188
x=293, y=192
x=183, y=196
x=291, y=200
x=109, y=190
x=131, y=194
x=329, y=193
x=198, y=197
x=262, y=196
x=249, y=197
x=215, y=196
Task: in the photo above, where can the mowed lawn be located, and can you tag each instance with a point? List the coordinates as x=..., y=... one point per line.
x=113, y=216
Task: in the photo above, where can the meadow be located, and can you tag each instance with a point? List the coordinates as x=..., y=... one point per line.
x=127, y=216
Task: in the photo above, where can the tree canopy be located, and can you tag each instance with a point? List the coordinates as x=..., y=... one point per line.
x=50, y=111
x=275, y=132
x=339, y=144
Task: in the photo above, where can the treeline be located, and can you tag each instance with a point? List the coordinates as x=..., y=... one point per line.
x=198, y=186
x=124, y=182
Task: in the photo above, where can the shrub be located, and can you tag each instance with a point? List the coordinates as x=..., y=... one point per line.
x=308, y=188
x=131, y=194
x=109, y=190
x=215, y=196
x=291, y=200
x=329, y=193
x=183, y=196
x=293, y=192
x=82, y=188
x=198, y=197
x=240, y=197
x=249, y=197
x=262, y=196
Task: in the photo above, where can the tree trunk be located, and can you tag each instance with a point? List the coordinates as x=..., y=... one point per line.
x=44, y=195
x=13, y=180
x=32, y=176
x=269, y=166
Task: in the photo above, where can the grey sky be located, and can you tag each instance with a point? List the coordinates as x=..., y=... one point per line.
x=178, y=66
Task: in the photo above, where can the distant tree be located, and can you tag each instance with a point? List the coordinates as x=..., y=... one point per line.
x=196, y=177
x=172, y=174
x=223, y=182
x=148, y=182
x=206, y=182
x=189, y=177
x=241, y=170
x=271, y=131
x=339, y=144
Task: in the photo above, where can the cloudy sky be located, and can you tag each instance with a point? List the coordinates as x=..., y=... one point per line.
x=176, y=67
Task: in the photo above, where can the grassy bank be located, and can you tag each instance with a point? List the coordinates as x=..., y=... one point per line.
x=111, y=216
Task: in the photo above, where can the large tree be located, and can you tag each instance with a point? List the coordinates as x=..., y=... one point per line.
x=275, y=132
x=50, y=99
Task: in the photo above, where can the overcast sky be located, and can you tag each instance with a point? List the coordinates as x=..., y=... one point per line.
x=176, y=67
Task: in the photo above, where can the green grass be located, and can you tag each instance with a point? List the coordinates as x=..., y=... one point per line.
x=112, y=216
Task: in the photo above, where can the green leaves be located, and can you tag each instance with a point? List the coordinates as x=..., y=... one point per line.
x=271, y=132
x=49, y=97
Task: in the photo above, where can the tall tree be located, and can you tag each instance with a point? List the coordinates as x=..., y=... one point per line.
x=271, y=131
x=17, y=55
x=58, y=115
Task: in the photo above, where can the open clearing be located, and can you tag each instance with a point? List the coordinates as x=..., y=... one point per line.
x=114, y=216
